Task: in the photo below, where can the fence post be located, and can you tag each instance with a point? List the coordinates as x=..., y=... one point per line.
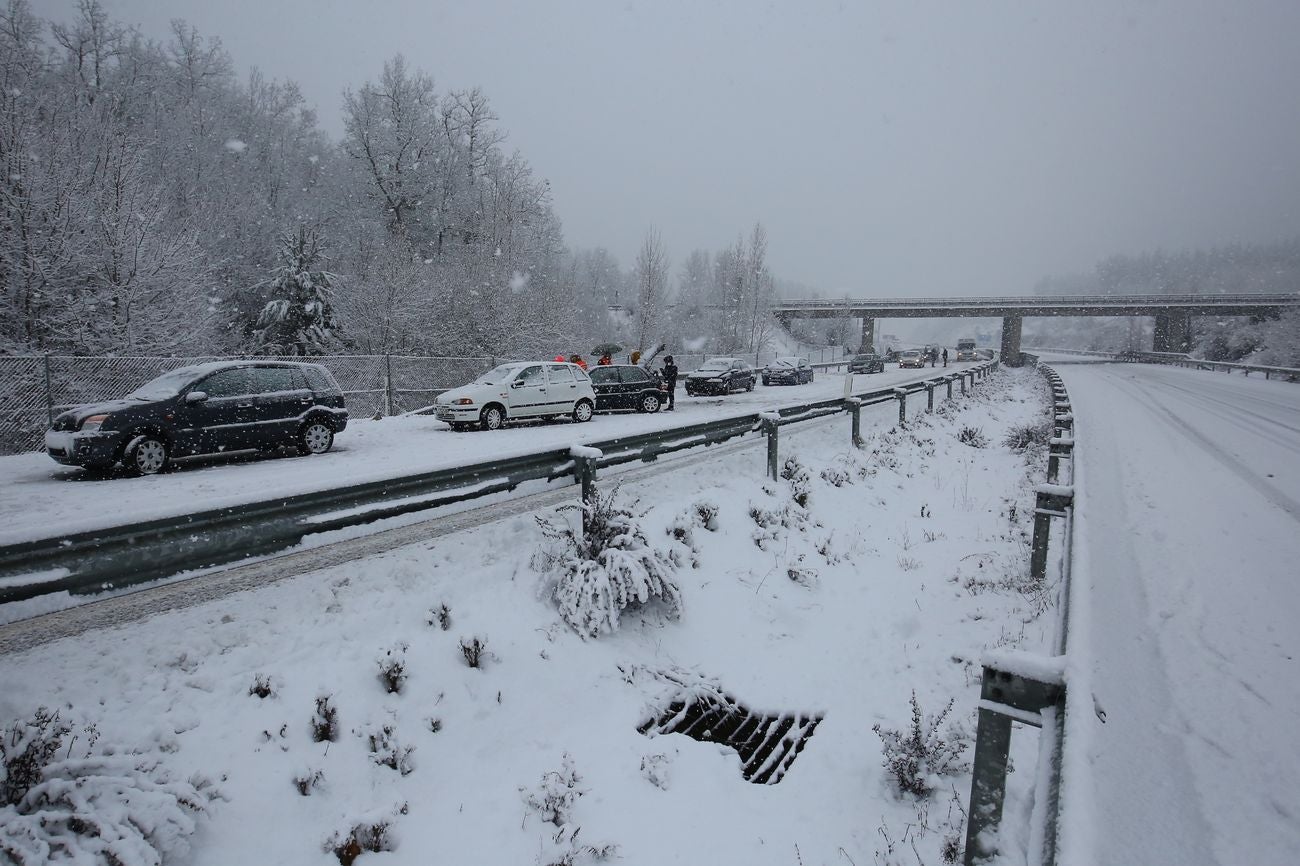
x=929, y=397
x=949, y=387
x=855, y=412
x=584, y=471
x=388, y=385
x=770, y=430
x=963, y=384
x=901, y=394
x=49, y=394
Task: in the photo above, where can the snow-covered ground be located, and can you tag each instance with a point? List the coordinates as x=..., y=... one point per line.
x=907, y=564
x=39, y=498
x=1188, y=626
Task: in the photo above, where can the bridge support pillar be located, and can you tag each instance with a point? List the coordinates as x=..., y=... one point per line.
x=868, y=343
x=1011, y=340
x=1173, y=332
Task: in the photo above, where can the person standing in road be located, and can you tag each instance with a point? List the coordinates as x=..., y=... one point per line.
x=945, y=356
x=670, y=380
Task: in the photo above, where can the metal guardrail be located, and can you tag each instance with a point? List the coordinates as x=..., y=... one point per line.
x=98, y=560
x=1023, y=688
x=1180, y=359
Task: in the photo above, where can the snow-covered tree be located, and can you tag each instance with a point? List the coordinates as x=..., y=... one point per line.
x=651, y=288
x=299, y=318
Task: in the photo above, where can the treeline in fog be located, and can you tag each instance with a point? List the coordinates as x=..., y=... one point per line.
x=152, y=201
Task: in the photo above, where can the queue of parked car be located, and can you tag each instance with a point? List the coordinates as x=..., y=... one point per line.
x=226, y=406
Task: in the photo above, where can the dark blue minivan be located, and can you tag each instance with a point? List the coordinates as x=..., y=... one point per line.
x=204, y=409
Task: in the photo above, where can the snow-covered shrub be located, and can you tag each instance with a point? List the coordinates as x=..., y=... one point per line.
x=325, y=722
x=387, y=751
x=472, y=649
x=261, y=686
x=599, y=571
x=800, y=480
x=26, y=747
x=441, y=615
x=554, y=797
x=392, y=668
x=837, y=475
x=114, y=809
x=655, y=768
x=1022, y=437
x=973, y=436
x=801, y=574
x=372, y=832
x=917, y=757
x=706, y=515
x=309, y=780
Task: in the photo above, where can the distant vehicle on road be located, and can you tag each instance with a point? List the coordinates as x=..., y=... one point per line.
x=912, y=358
x=523, y=389
x=966, y=350
x=867, y=362
x=788, y=371
x=204, y=409
x=627, y=386
x=721, y=376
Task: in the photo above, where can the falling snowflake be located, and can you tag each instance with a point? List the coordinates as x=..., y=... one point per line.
x=518, y=282
x=234, y=145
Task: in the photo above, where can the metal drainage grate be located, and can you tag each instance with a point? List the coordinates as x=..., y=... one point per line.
x=767, y=745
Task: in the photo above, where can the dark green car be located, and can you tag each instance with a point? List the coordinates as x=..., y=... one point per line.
x=867, y=362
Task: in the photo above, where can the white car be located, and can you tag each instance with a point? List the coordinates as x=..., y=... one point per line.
x=523, y=389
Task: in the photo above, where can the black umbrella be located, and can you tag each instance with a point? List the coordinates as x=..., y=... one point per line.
x=607, y=349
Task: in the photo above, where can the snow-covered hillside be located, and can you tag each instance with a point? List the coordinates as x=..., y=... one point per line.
x=861, y=578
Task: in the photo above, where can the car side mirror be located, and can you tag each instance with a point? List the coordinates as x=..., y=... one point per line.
x=517, y=384
x=196, y=397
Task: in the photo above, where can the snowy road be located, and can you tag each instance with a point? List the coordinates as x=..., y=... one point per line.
x=1188, y=500
x=40, y=499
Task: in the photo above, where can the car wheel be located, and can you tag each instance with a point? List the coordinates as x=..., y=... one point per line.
x=582, y=411
x=315, y=437
x=650, y=403
x=146, y=455
x=493, y=418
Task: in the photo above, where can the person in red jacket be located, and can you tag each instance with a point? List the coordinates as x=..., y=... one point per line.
x=605, y=361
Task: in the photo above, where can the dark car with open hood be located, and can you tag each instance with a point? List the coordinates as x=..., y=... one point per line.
x=204, y=409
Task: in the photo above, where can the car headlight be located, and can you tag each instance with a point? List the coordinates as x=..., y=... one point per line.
x=464, y=401
x=93, y=423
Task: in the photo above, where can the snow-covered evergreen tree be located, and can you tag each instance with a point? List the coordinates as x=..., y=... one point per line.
x=299, y=318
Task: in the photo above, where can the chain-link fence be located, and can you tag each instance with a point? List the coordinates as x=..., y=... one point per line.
x=35, y=389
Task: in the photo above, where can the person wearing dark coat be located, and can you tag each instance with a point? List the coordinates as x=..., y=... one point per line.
x=945, y=357
x=670, y=380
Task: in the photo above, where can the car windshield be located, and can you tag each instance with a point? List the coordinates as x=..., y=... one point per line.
x=716, y=364
x=165, y=386
x=497, y=375
x=786, y=362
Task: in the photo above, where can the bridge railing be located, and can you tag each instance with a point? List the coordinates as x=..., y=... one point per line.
x=1200, y=300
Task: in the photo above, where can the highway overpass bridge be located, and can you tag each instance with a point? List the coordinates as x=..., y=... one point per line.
x=1171, y=312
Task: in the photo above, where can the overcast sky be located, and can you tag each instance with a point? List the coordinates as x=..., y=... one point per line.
x=905, y=148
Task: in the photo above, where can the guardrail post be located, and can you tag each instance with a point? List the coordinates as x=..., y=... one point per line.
x=901, y=394
x=929, y=397
x=1005, y=697
x=1059, y=448
x=771, y=429
x=584, y=471
x=949, y=380
x=963, y=384
x=855, y=412
x=1052, y=500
